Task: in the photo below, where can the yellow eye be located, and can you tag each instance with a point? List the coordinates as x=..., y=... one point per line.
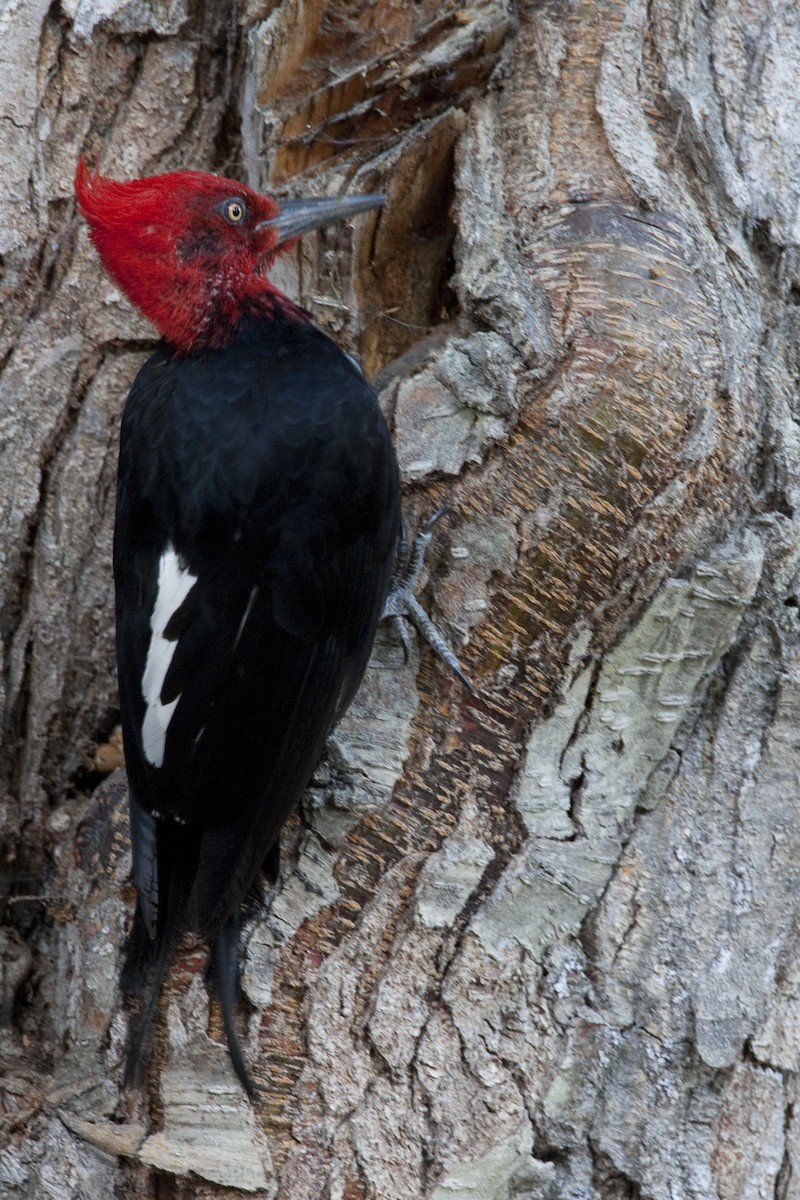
x=234, y=211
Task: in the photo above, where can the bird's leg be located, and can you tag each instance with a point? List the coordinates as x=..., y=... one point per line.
x=402, y=604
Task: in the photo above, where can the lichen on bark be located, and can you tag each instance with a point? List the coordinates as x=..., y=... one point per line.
x=540, y=941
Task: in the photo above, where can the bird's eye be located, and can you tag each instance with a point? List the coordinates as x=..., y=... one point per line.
x=234, y=211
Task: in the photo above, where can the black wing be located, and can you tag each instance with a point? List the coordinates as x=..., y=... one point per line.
x=258, y=511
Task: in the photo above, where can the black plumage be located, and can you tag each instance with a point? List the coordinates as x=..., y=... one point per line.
x=260, y=480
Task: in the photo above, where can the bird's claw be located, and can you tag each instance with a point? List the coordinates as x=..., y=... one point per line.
x=402, y=604
x=399, y=626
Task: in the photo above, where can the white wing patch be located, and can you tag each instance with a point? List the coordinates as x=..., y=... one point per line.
x=175, y=581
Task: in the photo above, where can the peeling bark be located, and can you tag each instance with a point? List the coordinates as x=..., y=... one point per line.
x=537, y=942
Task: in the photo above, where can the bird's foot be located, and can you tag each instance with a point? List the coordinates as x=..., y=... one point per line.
x=402, y=604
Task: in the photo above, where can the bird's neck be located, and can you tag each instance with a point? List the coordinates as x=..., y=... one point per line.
x=195, y=310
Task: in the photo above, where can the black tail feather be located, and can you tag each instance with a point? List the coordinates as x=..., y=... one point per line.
x=141, y=960
x=227, y=978
x=139, y=955
x=147, y=958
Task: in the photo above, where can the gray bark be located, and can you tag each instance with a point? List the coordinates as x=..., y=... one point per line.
x=538, y=943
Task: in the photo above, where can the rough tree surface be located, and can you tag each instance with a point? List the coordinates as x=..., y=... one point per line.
x=541, y=943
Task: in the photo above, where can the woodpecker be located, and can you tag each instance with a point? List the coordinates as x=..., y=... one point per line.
x=258, y=515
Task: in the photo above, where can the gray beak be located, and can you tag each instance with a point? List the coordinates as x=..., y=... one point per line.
x=298, y=216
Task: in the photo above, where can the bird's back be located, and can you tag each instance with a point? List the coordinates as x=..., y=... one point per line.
x=258, y=511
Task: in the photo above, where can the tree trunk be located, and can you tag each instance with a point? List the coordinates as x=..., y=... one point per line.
x=540, y=942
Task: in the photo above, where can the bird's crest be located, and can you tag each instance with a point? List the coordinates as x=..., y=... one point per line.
x=192, y=250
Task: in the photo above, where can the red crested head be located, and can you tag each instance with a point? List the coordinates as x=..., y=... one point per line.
x=191, y=250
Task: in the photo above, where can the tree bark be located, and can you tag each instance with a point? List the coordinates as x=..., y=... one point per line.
x=539, y=942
